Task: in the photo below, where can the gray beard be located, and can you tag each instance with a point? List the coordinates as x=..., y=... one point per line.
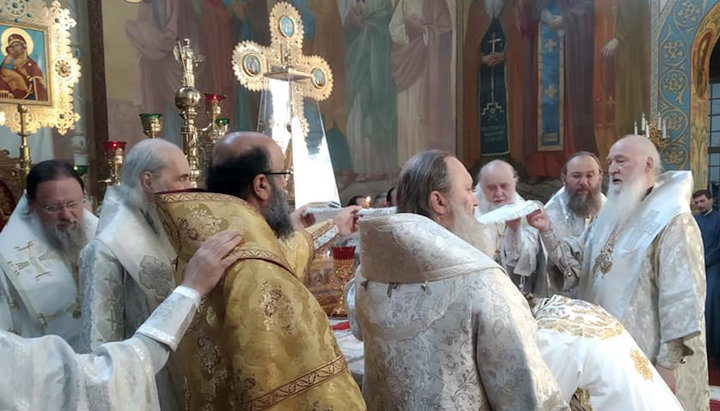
x=135, y=200
x=467, y=228
x=67, y=243
x=587, y=205
x=277, y=213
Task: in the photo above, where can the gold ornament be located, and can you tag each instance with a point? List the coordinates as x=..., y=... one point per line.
x=308, y=76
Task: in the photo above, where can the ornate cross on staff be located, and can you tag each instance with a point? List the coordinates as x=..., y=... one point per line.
x=288, y=75
x=308, y=76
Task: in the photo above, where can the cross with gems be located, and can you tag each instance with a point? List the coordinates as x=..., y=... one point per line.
x=307, y=76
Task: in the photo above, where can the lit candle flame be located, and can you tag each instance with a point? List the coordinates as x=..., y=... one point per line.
x=367, y=202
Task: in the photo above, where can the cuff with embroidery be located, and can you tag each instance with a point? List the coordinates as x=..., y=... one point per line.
x=323, y=234
x=168, y=323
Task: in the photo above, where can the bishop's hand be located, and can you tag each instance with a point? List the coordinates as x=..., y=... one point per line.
x=539, y=219
x=347, y=220
x=208, y=265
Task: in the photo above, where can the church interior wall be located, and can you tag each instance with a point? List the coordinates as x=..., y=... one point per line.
x=370, y=142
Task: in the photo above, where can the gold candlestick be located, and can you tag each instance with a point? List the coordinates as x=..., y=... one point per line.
x=216, y=128
x=152, y=124
x=114, y=153
x=25, y=161
x=187, y=100
x=344, y=264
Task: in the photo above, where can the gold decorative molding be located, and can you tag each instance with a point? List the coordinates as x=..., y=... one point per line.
x=49, y=98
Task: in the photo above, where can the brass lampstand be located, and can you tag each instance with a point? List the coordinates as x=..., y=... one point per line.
x=114, y=154
x=216, y=128
x=25, y=161
x=152, y=124
x=187, y=100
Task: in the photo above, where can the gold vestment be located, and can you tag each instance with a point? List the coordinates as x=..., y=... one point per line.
x=260, y=340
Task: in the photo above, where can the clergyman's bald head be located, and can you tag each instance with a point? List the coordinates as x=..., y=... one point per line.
x=497, y=181
x=237, y=143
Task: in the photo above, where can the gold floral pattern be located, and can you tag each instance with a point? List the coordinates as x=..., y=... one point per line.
x=272, y=302
x=642, y=365
x=577, y=318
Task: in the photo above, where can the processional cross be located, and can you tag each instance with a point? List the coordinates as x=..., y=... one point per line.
x=291, y=77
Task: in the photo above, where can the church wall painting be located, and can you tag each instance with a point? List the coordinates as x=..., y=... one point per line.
x=393, y=62
x=543, y=79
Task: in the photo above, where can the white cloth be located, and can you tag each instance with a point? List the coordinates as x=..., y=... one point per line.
x=124, y=281
x=46, y=374
x=443, y=327
x=656, y=285
x=520, y=252
x=38, y=287
x=591, y=354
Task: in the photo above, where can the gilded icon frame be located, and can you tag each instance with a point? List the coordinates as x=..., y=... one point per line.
x=61, y=69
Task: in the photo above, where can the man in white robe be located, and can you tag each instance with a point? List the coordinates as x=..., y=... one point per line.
x=574, y=207
x=123, y=280
x=46, y=374
x=513, y=244
x=443, y=326
x=642, y=261
x=39, y=250
x=578, y=202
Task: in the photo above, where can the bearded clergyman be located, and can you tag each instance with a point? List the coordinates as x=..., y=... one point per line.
x=642, y=260
x=576, y=205
x=124, y=281
x=262, y=341
x=443, y=326
x=39, y=250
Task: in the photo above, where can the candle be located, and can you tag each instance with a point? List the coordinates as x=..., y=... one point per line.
x=367, y=202
x=636, y=133
x=114, y=145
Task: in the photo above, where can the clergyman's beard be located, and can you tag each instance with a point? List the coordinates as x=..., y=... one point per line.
x=621, y=203
x=277, y=213
x=585, y=204
x=467, y=228
x=68, y=243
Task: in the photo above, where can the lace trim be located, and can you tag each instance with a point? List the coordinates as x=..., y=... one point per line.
x=299, y=385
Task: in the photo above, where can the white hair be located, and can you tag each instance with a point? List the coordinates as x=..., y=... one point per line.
x=145, y=156
x=649, y=151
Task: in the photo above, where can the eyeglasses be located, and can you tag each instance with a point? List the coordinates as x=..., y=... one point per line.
x=56, y=208
x=285, y=173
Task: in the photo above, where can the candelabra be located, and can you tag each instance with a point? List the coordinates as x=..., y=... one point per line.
x=344, y=263
x=152, y=124
x=656, y=132
x=216, y=128
x=114, y=153
x=187, y=100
